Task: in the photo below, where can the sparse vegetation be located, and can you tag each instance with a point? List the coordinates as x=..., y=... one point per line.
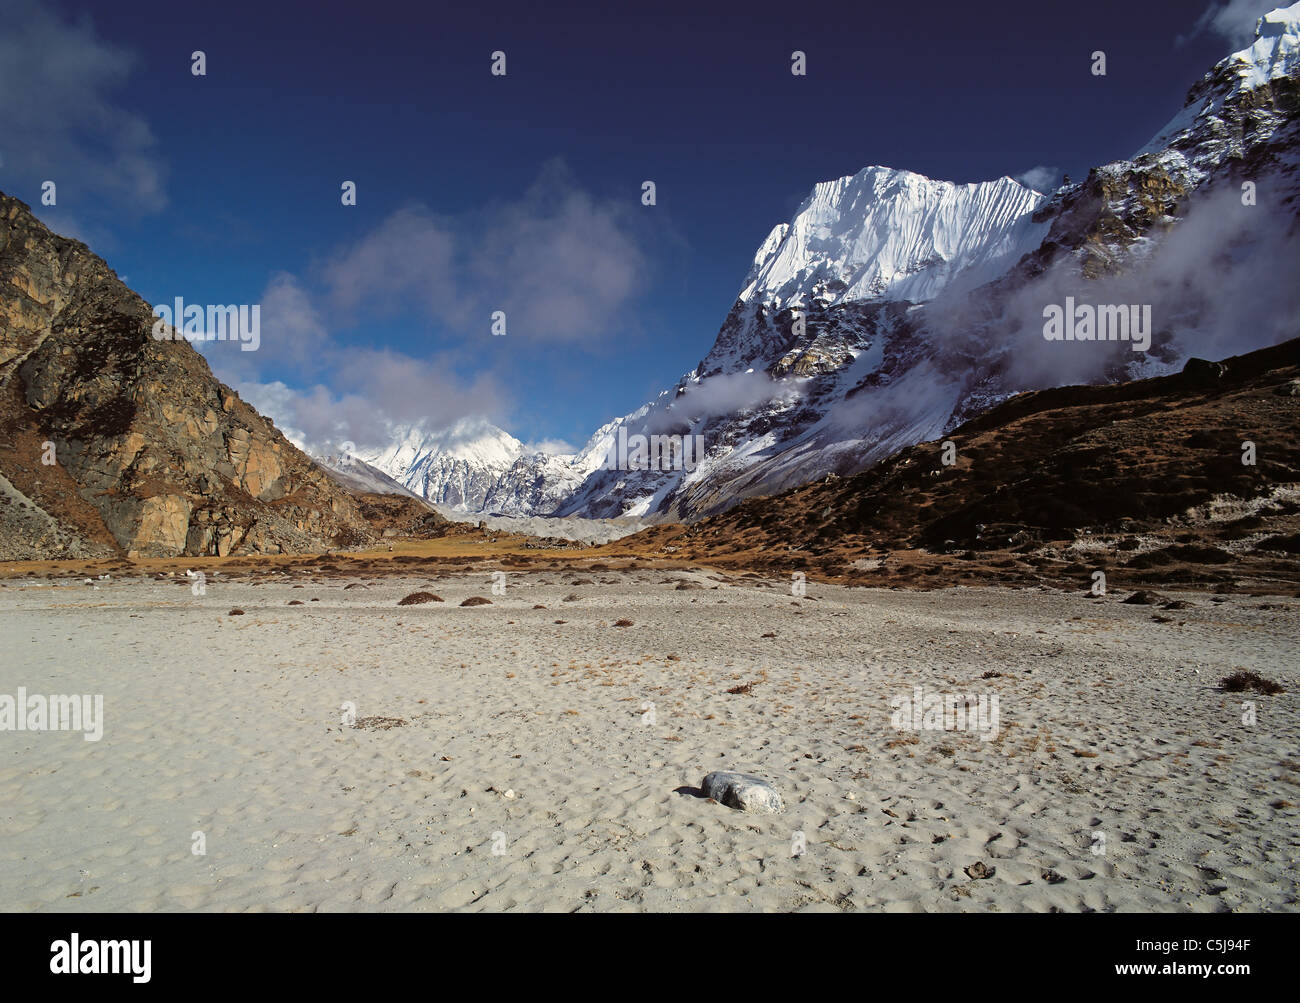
x=1243, y=680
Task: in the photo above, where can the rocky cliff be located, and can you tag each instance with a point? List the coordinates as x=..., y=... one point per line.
x=112, y=441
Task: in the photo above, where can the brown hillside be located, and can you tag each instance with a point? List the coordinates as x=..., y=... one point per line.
x=1143, y=480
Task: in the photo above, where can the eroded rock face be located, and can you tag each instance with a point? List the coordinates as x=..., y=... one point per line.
x=153, y=455
x=157, y=524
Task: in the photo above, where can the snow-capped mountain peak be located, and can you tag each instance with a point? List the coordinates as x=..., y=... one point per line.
x=886, y=234
x=1272, y=57
x=1275, y=51
x=474, y=439
x=455, y=466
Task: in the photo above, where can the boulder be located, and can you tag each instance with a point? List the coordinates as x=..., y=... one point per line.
x=742, y=791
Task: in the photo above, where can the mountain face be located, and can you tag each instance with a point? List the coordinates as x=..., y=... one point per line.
x=541, y=482
x=826, y=311
x=880, y=236
x=1238, y=126
x=884, y=234
x=893, y=307
x=113, y=442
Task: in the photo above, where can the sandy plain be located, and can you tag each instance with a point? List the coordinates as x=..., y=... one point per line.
x=348, y=753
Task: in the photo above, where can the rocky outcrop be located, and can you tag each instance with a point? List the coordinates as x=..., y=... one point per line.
x=129, y=443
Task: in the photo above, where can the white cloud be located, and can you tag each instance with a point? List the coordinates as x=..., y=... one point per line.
x=347, y=391
x=1041, y=179
x=1218, y=283
x=372, y=390
x=560, y=262
x=293, y=337
x=551, y=447
x=1233, y=21
x=57, y=121
x=721, y=394
x=407, y=258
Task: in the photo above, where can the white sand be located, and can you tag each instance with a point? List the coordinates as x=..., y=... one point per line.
x=231, y=726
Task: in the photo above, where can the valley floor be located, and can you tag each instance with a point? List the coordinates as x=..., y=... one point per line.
x=509, y=757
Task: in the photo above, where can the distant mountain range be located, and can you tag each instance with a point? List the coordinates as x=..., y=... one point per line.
x=893, y=307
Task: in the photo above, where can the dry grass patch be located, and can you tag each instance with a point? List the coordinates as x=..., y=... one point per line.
x=416, y=598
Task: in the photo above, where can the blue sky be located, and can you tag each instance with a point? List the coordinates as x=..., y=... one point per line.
x=523, y=192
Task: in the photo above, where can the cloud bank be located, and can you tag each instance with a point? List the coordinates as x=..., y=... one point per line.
x=563, y=265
